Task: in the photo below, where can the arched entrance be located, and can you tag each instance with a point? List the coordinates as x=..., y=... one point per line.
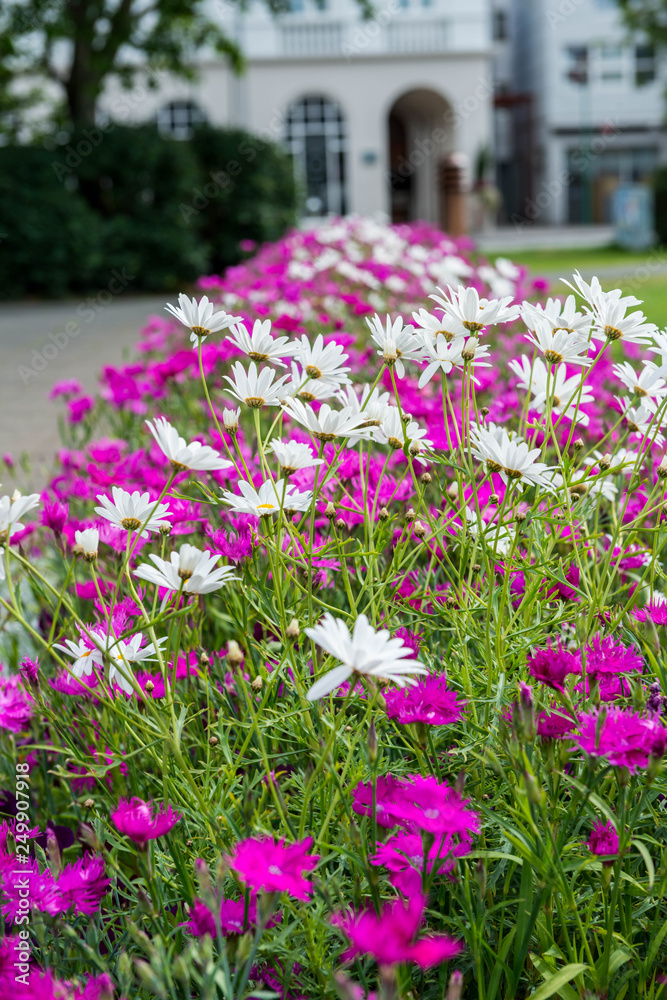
x=316, y=136
x=420, y=136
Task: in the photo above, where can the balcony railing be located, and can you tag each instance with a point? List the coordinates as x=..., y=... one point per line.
x=332, y=38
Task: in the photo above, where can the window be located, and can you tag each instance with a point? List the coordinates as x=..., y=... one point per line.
x=611, y=63
x=179, y=118
x=500, y=32
x=316, y=137
x=577, y=64
x=644, y=65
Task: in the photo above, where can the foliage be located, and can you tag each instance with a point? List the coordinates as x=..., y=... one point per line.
x=139, y=196
x=527, y=584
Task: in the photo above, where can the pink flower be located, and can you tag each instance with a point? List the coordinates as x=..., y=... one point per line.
x=29, y=670
x=604, y=656
x=232, y=912
x=68, y=387
x=624, y=738
x=656, y=611
x=429, y=701
x=390, y=938
x=603, y=841
x=82, y=885
x=54, y=516
x=136, y=820
x=15, y=704
x=417, y=803
x=553, y=725
x=263, y=863
x=552, y=665
x=403, y=856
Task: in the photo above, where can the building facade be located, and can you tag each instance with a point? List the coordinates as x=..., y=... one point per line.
x=384, y=117
x=585, y=107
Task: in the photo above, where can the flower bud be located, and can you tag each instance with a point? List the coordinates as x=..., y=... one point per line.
x=213, y=741
x=257, y=683
x=410, y=514
x=494, y=499
x=425, y=478
x=485, y=411
x=578, y=444
x=234, y=655
x=53, y=852
x=165, y=530
x=605, y=461
x=419, y=529
x=383, y=514
x=149, y=687
x=455, y=986
x=204, y=659
x=330, y=511
x=89, y=804
x=340, y=523
x=662, y=468
x=292, y=630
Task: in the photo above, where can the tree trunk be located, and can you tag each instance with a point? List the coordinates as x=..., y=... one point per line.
x=84, y=83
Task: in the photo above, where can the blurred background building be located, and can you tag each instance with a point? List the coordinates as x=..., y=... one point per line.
x=383, y=117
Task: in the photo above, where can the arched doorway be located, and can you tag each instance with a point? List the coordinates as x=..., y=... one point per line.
x=420, y=136
x=316, y=137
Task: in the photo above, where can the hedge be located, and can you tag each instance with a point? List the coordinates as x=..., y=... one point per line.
x=127, y=197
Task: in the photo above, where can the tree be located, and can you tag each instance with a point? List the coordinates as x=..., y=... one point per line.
x=647, y=16
x=79, y=43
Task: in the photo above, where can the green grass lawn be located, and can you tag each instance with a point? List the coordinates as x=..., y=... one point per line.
x=643, y=274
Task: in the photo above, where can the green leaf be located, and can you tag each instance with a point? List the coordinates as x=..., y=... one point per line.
x=643, y=850
x=556, y=982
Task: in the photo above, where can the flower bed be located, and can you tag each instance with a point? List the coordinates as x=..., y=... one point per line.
x=387, y=719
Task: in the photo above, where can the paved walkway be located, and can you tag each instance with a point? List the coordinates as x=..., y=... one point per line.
x=45, y=342
x=531, y=237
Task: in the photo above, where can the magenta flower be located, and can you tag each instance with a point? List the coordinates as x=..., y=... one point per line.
x=656, y=611
x=551, y=666
x=624, y=738
x=403, y=856
x=429, y=701
x=30, y=670
x=603, y=841
x=54, y=516
x=417, y=803
x=554, y=726
x=263, y=863
x=605, y=656
x=136, y=820
x=390, y=938
x=15, y=704
x=82, y=885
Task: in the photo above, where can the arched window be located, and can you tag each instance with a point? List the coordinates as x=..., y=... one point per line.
x=317, y=139
x=178, y=119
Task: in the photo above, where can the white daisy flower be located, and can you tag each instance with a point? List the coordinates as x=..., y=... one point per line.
x=256, y=389
x=594, y=294
x=611, y=323
x=436, y=327
x=513, y=460
x=200, y=317
x=397, y=343
x=269, y=499
x=559, y=346
x=640, y=420
x=564, y=391
x=660, y=340
x=196, y=456
x=87, y=542
x=12, y=510
x=622, y=460
x=326, y=424
x=307, y=388
x=396, y=432
x=260, y=345
x=230, y=420
x=365, y=653
x=293, y=455
x=465, y=305
x=559, y=315
x=322, y=361
x=442, y=355
x=85, y=659
x=133, y=511
x=449, y=270
x=648, y=386
x=122, y=653
x=193, y=570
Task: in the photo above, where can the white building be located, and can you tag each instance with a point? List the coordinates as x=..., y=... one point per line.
x=592, y=99
x=370, y=110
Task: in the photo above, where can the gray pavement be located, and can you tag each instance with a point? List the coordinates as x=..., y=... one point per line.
x=533, y=237
x=46, y=342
